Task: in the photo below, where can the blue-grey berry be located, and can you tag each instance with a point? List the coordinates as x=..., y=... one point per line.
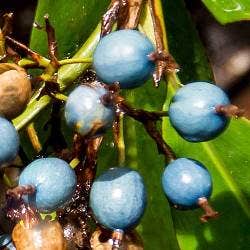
x=54, y=181
x=123, y=56
x=118, y=198
x=184, y=181
x=192, y=111
x=9, y=141
x=85, y=111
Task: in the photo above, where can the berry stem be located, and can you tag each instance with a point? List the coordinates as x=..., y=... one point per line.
x=59, y=96
x=76, y=60
x=117, y=237
x=40, y=60
x=149, y=119
x=164, y=61
x=74, y=162
x=119, y=138
x=229, y=110
x=131, y=20
x=210, y=213
x=111, y=15
x=32, y=134
x=52, y=43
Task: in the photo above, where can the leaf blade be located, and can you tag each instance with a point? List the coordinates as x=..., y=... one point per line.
x=228, y=11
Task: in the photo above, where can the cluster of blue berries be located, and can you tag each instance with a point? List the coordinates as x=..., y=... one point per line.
x=118, y=196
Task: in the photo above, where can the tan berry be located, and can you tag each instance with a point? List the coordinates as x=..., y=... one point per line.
x=15, y=90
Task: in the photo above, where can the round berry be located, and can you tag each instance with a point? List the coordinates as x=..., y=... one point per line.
x=185, y=181
x=192, y=111
x=123, y=56
x=118, y=198
x=54, y=181
x=15, y=90
x=85, y=111
x=46, y=235
x=9, y=141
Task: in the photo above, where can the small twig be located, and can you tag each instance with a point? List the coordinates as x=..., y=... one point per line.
x=119, y=138
x=229, y=110
x=116, y=9
x=117, y=237
x=147, y=118
x=8, y=24
x=32, y=134
x=75, y=60
x=210, y=213
x=131, y=20
x=52, y=43
x=35, y=56
x=19, y=191
x=164, y=61
x=17, y=209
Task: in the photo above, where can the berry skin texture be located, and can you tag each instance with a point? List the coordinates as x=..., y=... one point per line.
x=192, y=111
x=184, y=181
x=15, y=90
x=118, y=198
x=122, y=56
x=54, y=180
x=9, y=142
x=46, y=235
x=85, y=112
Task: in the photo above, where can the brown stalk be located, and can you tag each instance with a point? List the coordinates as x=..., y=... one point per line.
x=52, y=43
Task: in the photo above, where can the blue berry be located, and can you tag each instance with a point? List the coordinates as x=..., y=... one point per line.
x=122, y=56
x=118, y=198
x=5, y=241
x=9, y=141
x=85, y=112
x=185, y=181
x=54, y=181
x=192, y=111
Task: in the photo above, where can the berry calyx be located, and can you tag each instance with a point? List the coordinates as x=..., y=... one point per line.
x=124, y=56
x=118, y=198
x=85, y=112
x=54, y=182
x=193, y=111
x=9, y=142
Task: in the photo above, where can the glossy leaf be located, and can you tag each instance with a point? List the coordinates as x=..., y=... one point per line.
x=73, y=22
x=228, y=11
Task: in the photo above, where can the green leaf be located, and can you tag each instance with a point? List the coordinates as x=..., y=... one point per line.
x=228, y=11
x=73, y=23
